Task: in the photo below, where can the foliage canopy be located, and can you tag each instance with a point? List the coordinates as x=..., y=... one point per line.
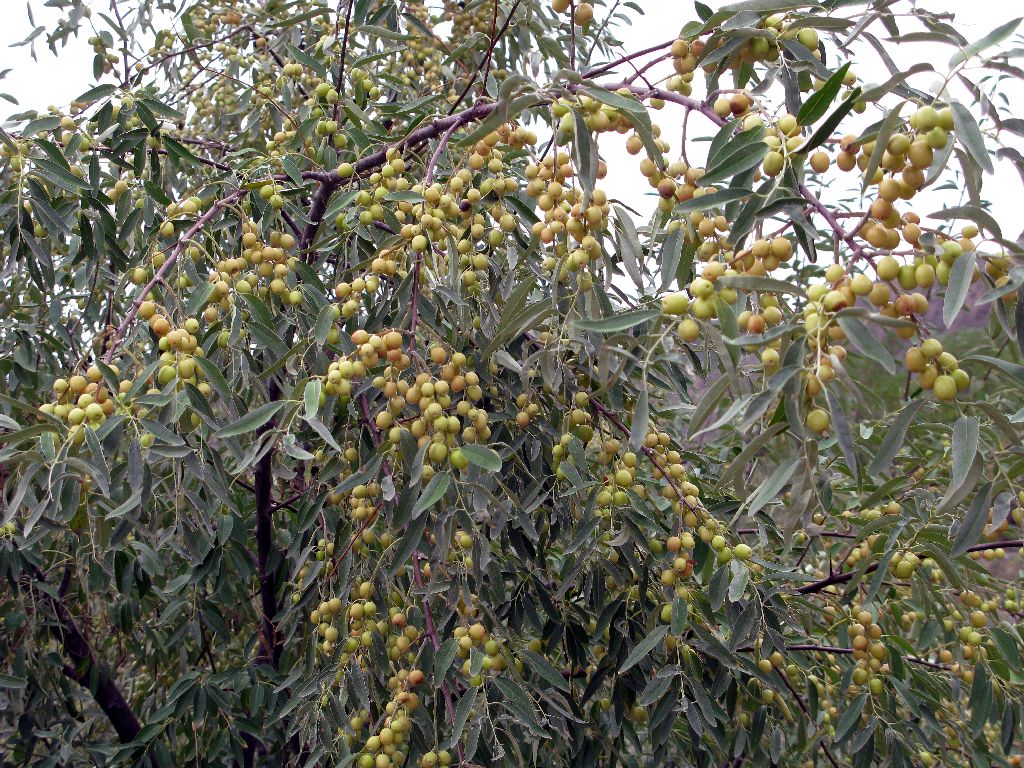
x=350, y=420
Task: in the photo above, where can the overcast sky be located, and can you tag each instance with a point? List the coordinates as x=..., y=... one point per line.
x=57, y=80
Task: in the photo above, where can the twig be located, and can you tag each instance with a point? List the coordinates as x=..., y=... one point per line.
x=843, y=577
x=176, y=251
x=85, y=669
x=124, y=49
x=830, y=219
x=271, y=644
x=431, y=631
x=436, y=157
x=490, y=51
x=330, y=181
x=807, y=714
x=660, y=93
x=591, y=73
x=344, y=49
x=813, y=648
x=572, y=34
x=428, y=616
x=682, y=144
x=601, y=30
x=192, y=49
x=490, y=48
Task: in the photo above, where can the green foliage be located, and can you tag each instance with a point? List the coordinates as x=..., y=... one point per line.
x=350, y=419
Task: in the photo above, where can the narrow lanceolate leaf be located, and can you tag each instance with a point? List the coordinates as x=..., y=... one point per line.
x=770, y=488
x=325, y=434
x=630, y=250
x=706, y=405
x=585, y=155
x=829, y=124
x=714, y=200
x=324, y=323
x=12, y=683
x=59, y=175
x=671, y=254
x=644, y=647
x=461, y=715
x=443, y=659
x=482, y=456
x=969, y=135
x=432, y=493
x=1008, y=644
x=885, y=132
x=978, y=215
x=519, y=704
x=960, y=275
x=996, y=36
x=894, y=438
x=966, y=435
x=874, y=93
x=641, y=419
x=620, y=322
x=842, y=431
x=306, y=60
x=970, y=528
x=408, y=543
x=311, y=397
x=765, y=6
x=745, y=157
x=756, y=283
x=251, y=421
x=1018, y=319
x=865, y=343
x=97, y=93
x=817, y=105
x=849, y=719
x=727, y=134
x=545, y=669
x=1013, y=369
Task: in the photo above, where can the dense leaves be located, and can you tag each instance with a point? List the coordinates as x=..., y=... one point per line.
x=351, y=419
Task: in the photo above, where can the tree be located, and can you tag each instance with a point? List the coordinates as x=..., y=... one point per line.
x=351, y=420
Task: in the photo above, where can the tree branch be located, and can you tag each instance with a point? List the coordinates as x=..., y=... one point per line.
x=843, y=577
x=85, y=669
x=613, y=64
x=172, y=258
x=834, y=649
x=428, y=616
x=807, y=714
x=339, y=82
x=330, y=181
x=270, y=642
x=495, y=37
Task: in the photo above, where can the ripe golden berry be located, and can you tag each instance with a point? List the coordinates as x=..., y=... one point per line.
x=584, y=14
x=818, y=420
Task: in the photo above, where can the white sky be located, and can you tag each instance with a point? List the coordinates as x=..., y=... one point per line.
x=57, y=80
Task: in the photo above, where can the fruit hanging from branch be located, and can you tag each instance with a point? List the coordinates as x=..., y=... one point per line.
x=427, y=384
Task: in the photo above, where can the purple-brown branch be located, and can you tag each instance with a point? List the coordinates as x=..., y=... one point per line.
x=172, y=258
x=270, y=640
x=85, y=669
x=330, y=180
x=590, y=73
x=495, y=37
x=844, y=576
x=429, y=626
x=344, y=49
